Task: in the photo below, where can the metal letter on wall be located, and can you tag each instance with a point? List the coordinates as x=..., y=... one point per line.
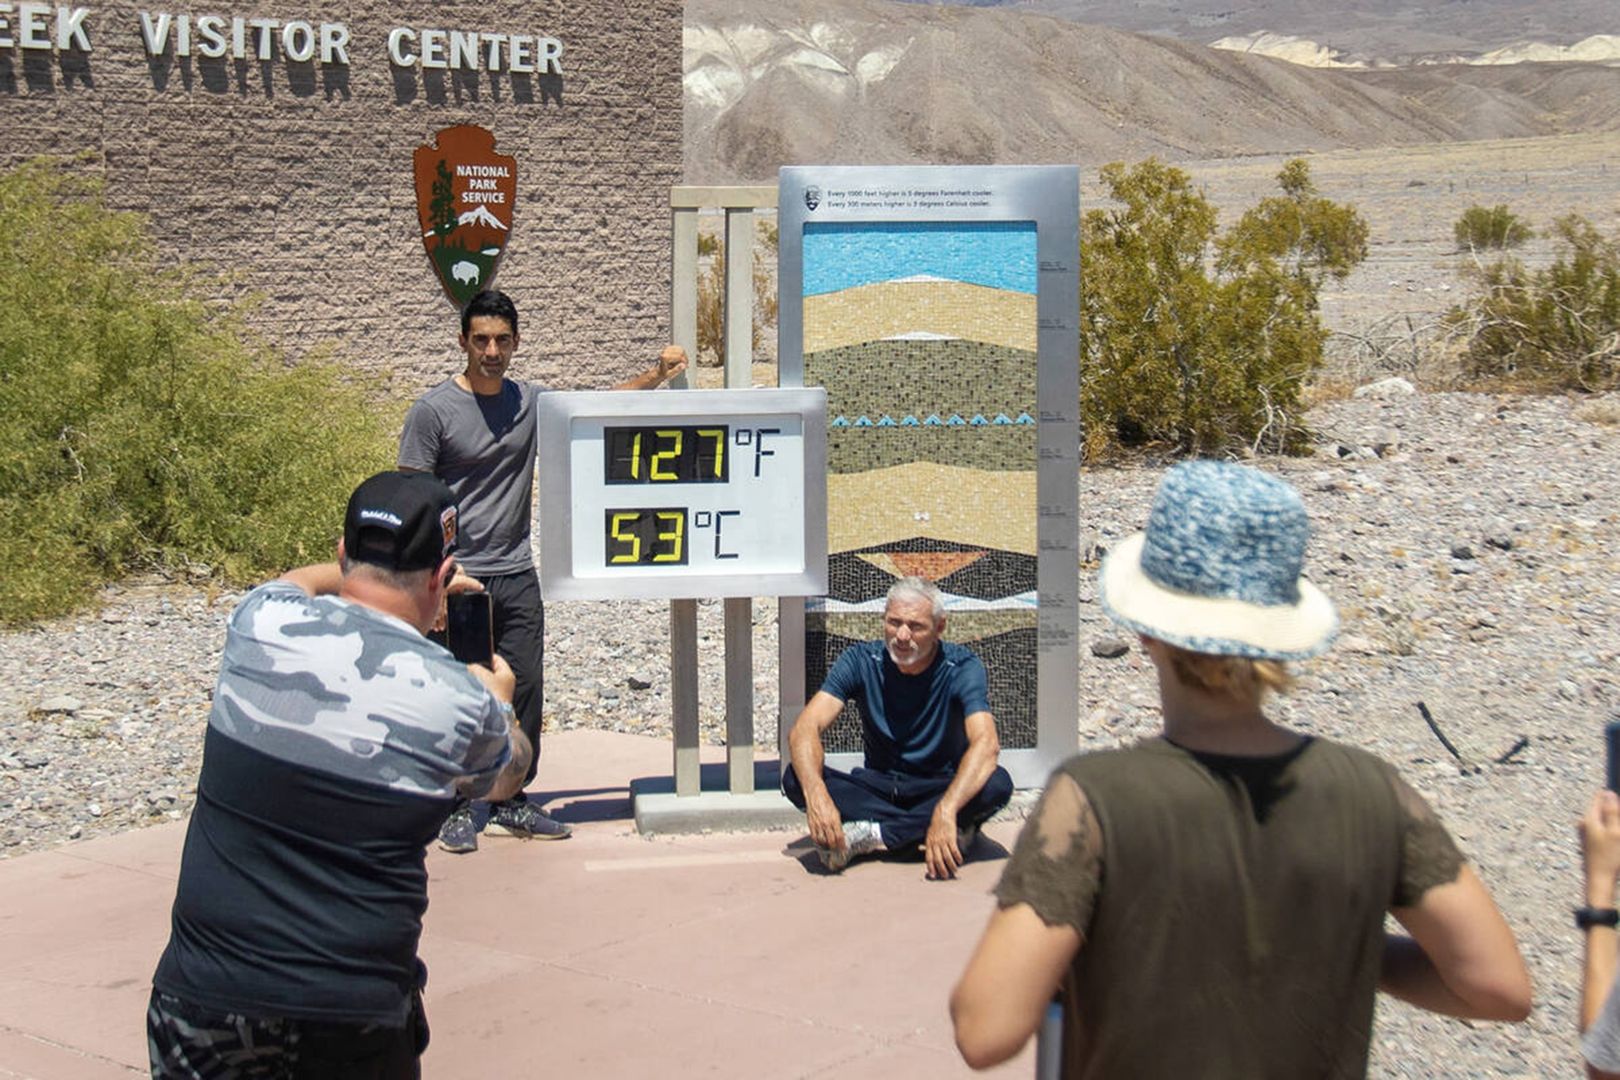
x=939, y=307
x=465, y=193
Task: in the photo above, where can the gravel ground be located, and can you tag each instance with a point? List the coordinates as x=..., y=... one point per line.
x=1470, y=541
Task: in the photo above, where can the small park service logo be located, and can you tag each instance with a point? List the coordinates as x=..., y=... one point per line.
x=464, y=197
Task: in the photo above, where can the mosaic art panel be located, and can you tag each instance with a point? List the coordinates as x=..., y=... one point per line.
x=923, y=335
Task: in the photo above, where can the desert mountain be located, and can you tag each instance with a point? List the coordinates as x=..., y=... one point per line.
x=1594, y=49
x=1377, y=32
x=879, y=82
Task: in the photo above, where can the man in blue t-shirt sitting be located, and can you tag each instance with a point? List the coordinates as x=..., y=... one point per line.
x=931, y=775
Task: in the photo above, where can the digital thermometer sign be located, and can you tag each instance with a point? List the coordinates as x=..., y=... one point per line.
x=683, y=493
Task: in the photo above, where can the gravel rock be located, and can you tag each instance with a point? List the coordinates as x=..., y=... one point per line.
x=1110, y=648
x=1523, y=647
x=1386, y=389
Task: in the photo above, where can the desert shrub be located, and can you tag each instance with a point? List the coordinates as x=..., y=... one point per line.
x=1494, y=228
x=1197, y=339
x=143, y=428
x=1552, y=328
x=711, y=306
x=1599, y=410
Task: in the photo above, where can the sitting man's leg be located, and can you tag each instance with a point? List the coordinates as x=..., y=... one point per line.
x=865, y=802
x=917, y=796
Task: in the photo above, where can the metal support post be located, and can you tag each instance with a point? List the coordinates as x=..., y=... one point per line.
x=683, y=662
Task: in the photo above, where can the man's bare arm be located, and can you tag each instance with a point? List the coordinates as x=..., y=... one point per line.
x=321, y=579
x=500, y=682
x=671, y=362
x=510, y=781
x=1461, y=959
x=809, y=758
x=940, y=849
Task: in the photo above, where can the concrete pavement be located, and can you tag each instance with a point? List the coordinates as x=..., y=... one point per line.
x=608, y=955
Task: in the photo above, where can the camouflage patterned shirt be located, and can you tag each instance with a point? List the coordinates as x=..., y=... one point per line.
x=339, y=741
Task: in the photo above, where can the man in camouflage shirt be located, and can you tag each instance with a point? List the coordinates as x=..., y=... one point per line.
x=340, y=738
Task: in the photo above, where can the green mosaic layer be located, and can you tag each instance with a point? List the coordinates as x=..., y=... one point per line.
x=923, y=378
x=854, y=450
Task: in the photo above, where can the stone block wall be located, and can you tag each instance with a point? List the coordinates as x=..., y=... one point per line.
x=292, y=180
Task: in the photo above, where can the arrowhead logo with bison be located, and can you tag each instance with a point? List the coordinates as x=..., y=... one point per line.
x=464, y=197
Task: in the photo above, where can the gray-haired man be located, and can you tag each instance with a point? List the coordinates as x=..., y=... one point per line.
x=931, y=776
x=339, y=740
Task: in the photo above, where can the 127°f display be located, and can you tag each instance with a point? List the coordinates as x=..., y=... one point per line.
x=667, y=455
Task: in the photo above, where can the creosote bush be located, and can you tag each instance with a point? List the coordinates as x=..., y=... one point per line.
x=711, y=305
x=1201, y=340
x=144, y=429
x=1494, y=228
x=1556, y=328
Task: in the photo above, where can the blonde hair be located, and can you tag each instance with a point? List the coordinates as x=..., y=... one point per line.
x=1229, y=676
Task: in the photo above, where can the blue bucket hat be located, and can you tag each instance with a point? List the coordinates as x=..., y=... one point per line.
x=1218, y=568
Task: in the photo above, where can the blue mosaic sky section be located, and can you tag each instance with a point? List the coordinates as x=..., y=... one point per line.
x=842, y=255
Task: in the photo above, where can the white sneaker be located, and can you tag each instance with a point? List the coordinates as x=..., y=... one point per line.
x=860, y=838
x=863, y=838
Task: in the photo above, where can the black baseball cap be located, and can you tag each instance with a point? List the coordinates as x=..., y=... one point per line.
x=400, y=521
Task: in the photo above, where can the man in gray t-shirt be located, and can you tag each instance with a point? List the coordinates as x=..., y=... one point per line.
x=476, y=432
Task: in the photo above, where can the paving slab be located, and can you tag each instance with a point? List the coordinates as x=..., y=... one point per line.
x=607, y=955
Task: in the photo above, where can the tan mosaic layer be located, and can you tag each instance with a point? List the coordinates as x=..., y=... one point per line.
x=951, y=308
x=943, y=502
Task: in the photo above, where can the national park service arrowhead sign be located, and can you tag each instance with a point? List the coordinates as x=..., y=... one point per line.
x=465, y=192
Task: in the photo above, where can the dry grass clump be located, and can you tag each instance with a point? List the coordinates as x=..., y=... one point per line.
x=1603, y=410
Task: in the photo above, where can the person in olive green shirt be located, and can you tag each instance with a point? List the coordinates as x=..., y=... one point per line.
x=1211, y=902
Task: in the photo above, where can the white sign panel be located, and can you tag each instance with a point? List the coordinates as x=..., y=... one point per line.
x=683, y=494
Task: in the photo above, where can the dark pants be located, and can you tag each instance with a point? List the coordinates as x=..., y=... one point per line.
x=520, y=637
x=186, y=1041
x=902, y=805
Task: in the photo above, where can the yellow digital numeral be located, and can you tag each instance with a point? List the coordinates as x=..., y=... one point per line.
x=655, y=471
x=719, y=437
x=635, y=457
x=673, y=536
x=629, y=538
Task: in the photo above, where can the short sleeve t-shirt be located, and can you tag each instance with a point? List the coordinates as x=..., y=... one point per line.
x=483, y=448
x=911, y=724
x=1231, y=909
x=339, y=740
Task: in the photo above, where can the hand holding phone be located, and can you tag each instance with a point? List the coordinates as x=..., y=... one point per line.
x=497, y=677
x=470, y=627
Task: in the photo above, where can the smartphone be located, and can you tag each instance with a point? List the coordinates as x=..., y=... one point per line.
x=1611, y=736
x=470, y=627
